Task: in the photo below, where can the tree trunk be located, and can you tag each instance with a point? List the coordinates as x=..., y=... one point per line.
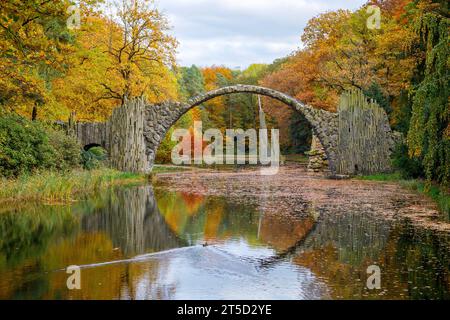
x=34, y=113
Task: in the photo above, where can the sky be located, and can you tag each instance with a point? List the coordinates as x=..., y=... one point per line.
x=237, y=33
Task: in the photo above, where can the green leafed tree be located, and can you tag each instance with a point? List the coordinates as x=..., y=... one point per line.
x=429, y=132
x=191, y=82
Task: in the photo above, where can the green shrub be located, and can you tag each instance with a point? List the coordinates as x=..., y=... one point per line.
x=164, y=154
x=67, y=150
x=24, y=146
x=94, y=158
x=408, y=167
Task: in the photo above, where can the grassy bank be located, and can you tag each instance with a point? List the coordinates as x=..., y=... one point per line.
x=48, y=186
x=160, y=168
x=438, y=194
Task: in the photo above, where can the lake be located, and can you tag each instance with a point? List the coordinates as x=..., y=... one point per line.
x=145, y=242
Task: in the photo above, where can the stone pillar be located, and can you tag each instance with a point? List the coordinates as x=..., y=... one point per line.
x=318, y=160
x=127, y=142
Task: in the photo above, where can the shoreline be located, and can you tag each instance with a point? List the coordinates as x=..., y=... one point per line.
x=49, y=187
x=435, y=193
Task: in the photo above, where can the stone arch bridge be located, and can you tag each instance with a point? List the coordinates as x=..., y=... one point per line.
x=134, y=131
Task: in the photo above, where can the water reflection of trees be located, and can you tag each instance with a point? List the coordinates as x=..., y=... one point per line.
x=358, y=235
x=420, y=259
x=197, y=219
x=414, y=262
x=42, y=239
x=132, y=220
x=28, y=232
x=25, y=235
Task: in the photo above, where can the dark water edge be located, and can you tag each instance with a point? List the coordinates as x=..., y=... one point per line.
x=145, y=243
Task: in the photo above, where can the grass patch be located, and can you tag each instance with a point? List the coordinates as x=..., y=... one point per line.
x=438, y=194
x=382, y=177
x=168, y=168
x=300, y=158
x=48, y=186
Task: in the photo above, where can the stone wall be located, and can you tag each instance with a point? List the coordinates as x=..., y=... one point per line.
x=158, y=120
x=123, y=136
x=92, y=134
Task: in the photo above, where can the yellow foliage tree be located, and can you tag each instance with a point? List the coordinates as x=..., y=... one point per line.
x=34, y=45
x=116, y=60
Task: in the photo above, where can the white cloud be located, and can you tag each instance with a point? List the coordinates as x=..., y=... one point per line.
x=241, y=32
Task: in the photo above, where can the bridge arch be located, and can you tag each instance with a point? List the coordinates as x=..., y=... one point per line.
x=159, y=118
x=91, y=145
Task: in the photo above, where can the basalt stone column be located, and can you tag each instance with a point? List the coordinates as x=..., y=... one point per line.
x=126, y=132
x=365, y=139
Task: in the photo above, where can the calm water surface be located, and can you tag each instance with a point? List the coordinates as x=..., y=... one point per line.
x=146, y=243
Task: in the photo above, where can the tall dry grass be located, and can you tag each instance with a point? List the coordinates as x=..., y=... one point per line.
x=62, y=187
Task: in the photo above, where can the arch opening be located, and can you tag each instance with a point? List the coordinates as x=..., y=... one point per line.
x=314, y=117
x=91, y=145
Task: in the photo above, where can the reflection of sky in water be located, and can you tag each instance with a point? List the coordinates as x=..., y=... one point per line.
x=215, y=271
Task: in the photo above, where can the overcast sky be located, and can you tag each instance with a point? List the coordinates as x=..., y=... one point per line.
x=236, y=33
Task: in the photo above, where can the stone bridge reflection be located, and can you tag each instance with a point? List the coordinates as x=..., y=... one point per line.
x=139, y=221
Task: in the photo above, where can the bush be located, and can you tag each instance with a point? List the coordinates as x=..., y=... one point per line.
x=24, y=146
x=67, y=150
x=94, y=158
x=164, y=154
x=408, y=167
x=27, y=146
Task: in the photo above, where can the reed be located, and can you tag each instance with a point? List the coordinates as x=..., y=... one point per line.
x=49, y=186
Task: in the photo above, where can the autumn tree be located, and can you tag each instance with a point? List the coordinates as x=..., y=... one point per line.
x=95, y=69
x=142, y=47
x=191, y=82
x=34, y=43
x=216, y=108
x=247, y=104
x=80, y=90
